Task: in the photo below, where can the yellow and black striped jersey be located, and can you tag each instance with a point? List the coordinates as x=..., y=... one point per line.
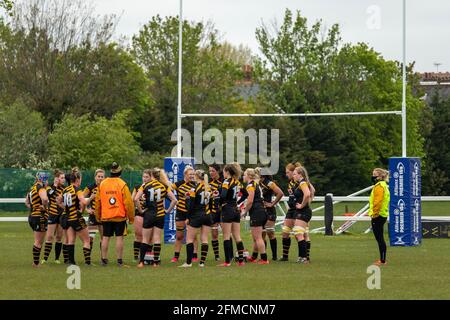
x=254, y=186
x=298, y=192
x=198, y=200
x=71, y=202
x=181, y=187
x=155, y=192
x=36, y=201
x=230, y=191
x=54, y=192
x=142, y=199
x=88, y=191
x=268, y=186
x=292, y=185
x=214, y=205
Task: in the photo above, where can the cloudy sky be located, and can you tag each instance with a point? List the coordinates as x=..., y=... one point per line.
x=377, y=22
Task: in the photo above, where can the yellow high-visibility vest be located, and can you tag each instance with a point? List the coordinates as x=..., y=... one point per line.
x=384, y=211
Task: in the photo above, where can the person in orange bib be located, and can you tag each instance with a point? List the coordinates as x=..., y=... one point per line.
x=114, y=207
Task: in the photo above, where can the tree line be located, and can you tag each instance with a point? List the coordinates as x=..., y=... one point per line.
x=72, y=92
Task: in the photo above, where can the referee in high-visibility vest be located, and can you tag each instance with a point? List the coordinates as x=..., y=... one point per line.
x=379, y=209
x=114, y=206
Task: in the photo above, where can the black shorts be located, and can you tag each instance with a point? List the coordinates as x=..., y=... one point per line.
x=201, y=220
x=258, y=216
x=151, y=220
x=291, y=214
x=54, y=218
x=92, y=221
x=137, y=214
x=230, y=214
x=63, y=219
x=215, y=217
x=180, y=216
x=37, y=223
x=304, y=214
x=111, y=228
x=271, y=214
x=77, y=225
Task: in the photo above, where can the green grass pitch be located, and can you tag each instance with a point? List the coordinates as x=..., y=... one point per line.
x=338, y=271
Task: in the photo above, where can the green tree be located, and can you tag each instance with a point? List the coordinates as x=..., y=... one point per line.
x=437, y=176
x=209, y=76
x=58, y=56
x=7, y=5
x=92, y=143
x=306, y=69
x=240, y=55
x=23, y=137
x=106, y=81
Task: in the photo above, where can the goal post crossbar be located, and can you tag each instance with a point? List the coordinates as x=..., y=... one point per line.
x=327, y=114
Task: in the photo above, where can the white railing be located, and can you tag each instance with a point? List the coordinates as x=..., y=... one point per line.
x=336, y=199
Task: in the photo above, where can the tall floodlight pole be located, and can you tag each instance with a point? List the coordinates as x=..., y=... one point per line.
x=404, y=83
x=180, y=70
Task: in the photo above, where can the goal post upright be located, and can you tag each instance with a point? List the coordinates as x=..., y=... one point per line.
x=404, y=84
x=180, y=79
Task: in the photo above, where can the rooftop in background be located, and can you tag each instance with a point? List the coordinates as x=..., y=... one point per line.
x=435, y=82
x=247, y=87
x=431, y=83
x=435, y=77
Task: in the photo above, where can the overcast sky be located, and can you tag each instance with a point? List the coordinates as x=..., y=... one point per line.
x=376, y=22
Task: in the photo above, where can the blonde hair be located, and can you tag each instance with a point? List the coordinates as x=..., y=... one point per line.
x=147, y=171
x=291, y=166
x=258, y=171
x=234, y=169
x=160, y=175
x=252, y=173
x=302, y=170
x=384, y=174
x=203, y=177
x=187, y=169
x=99, y=171
x=200, y=174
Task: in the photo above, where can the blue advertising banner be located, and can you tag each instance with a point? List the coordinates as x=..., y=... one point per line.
x=405, y=226
x=174, y=168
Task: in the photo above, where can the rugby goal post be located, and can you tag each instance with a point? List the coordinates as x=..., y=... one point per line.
x=181, y=115
x=402, y=113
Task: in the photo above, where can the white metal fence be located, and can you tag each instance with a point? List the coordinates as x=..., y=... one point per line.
x=283, y=203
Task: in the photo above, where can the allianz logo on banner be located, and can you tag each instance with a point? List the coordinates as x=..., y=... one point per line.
x=399, y=180
x=399, y=215
x=415, y=182
x=174, y=173
x=415, y=211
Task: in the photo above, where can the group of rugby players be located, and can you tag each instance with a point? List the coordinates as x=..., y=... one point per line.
x=56, y=214
x=204, y=203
